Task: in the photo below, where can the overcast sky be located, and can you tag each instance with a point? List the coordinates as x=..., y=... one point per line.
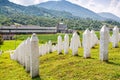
x=112, y=6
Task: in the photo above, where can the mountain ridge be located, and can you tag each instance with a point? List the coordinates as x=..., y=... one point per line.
x=62, y=9
x=76, y=10
x=109, y=16
x=7, y=7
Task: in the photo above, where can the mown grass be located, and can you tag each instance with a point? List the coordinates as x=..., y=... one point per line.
x=11, y=70
x=61, y=67
x=65, y=67
x=43, y=38
x=10, y=45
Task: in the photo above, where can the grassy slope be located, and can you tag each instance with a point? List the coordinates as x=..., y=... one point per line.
x=10, y=45
x=76, y=68
x=64, y=67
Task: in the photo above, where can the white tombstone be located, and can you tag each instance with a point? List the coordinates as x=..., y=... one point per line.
x=54, y=48
x=78, y=40
x=34, y=56
x=94, y=39
x=41, y=50
x=19, y=57
x=16, y=56
x=46, y=48
x=115, y=37
x=59, y=45
x=66, y=44
x=74, y=44
x=20, y=53
x=119, y=37
x=87, y=43
x=104, y=41
x=23, y=51
x=49, y=46
x=27, y=55
x=12, y=55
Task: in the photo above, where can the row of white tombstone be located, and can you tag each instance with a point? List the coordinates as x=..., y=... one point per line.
x=27, y=54
x=115, y=37
x=89, y=40
x=45, y=48
x=105, y=39
x=61, y=45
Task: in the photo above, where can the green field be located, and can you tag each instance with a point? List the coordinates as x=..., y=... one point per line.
x=43, y=38
x=63, y=67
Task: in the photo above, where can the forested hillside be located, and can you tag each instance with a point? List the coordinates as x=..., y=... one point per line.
x=11, y=14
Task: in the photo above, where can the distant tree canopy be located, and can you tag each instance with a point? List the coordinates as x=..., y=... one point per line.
x=113, y=23
x=73, y=23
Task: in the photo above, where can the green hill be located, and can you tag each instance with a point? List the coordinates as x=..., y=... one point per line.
x=75, y=10
x=8, y=8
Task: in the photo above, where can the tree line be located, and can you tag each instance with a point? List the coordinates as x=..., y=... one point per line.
x=73, y=23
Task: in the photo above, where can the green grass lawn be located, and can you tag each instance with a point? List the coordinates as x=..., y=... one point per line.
x=43, y=38
x=10, y=45
x=63, y=67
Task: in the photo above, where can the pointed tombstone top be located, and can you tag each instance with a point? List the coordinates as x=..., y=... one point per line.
x=28, y=40
x=87, y=31
x=49, y=42
x=75, y=34
x=115, y=28
x=34, y=37
x=104, y=28
x=59, y=37
x=66, y=36
x=92, y=31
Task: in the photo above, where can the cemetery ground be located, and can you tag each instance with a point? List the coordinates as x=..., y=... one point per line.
x=61, y=67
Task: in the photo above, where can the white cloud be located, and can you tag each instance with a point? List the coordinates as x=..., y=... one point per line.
x=89, y=4
x=112, y=6
x=28, y=2
x=79, y=2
